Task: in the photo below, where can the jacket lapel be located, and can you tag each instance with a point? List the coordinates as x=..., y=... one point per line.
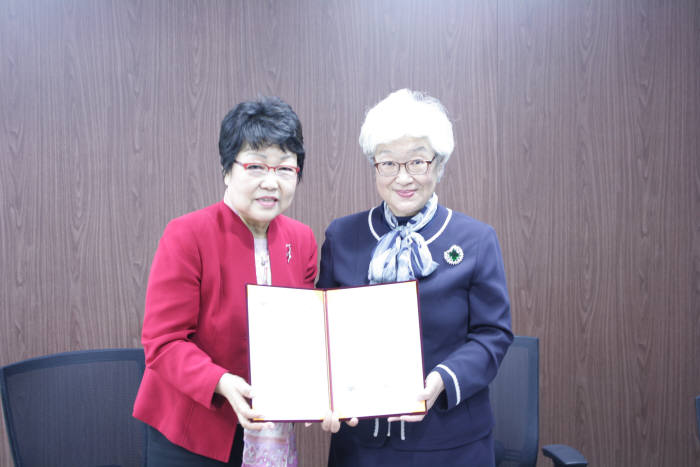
x=282, y=254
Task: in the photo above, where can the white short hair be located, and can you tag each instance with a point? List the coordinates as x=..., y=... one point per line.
x=407, y=113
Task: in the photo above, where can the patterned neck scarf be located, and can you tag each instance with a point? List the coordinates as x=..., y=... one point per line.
x=402, y=253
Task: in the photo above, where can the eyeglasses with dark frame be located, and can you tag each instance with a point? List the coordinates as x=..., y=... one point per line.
x=413, y=167
x=260, y=169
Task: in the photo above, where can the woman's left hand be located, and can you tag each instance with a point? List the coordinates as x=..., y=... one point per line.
x=433, y=387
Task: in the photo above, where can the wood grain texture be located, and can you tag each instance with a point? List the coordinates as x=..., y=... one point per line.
x=602, y=147
x=576, y=128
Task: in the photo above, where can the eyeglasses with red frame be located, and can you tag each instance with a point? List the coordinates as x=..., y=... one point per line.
x=259, y=169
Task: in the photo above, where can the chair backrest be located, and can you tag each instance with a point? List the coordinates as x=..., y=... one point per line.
x=697, y=413
x=515, y=401
x=74, y=409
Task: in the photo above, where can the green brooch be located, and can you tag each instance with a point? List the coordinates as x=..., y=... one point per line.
x=454, y=255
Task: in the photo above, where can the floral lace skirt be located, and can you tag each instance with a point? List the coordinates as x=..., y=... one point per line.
x=270, y=448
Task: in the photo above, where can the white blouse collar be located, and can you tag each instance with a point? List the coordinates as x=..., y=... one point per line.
x=429, y=241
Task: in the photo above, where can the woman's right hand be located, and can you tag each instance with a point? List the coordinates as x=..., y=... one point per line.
x=236, y=391
x=331, y=422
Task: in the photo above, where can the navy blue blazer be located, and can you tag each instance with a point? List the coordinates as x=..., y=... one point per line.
x=465, y=321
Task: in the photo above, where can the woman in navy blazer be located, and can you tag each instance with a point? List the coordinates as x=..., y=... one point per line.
x=193, y=393
x=465, y=310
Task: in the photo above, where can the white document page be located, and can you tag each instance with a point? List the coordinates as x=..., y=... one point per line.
x=375, y=350
x=287, y=341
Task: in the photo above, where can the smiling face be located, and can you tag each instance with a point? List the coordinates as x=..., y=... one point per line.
x=259, y=199
x=406, y=194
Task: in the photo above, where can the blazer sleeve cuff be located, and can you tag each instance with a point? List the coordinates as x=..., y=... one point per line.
x=206, y=397
x=452, y=389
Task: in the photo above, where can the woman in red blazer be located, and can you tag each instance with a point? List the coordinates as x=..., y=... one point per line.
x=194, y=390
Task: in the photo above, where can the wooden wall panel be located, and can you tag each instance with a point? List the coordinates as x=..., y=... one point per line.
x=576, y=130
x=597, y=105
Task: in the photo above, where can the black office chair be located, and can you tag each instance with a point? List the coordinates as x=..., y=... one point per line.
x=515, y=402
x=74, y=409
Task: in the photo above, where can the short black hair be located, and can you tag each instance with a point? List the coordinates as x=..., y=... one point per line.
x=266, y=121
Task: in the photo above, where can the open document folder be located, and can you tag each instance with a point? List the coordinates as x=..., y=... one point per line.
x=354, y=350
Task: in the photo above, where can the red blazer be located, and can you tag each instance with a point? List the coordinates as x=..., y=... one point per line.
x=195, y=325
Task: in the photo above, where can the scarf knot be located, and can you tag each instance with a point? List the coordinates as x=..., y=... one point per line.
x=402, y=254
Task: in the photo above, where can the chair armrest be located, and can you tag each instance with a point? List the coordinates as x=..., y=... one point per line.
x=562, y=454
